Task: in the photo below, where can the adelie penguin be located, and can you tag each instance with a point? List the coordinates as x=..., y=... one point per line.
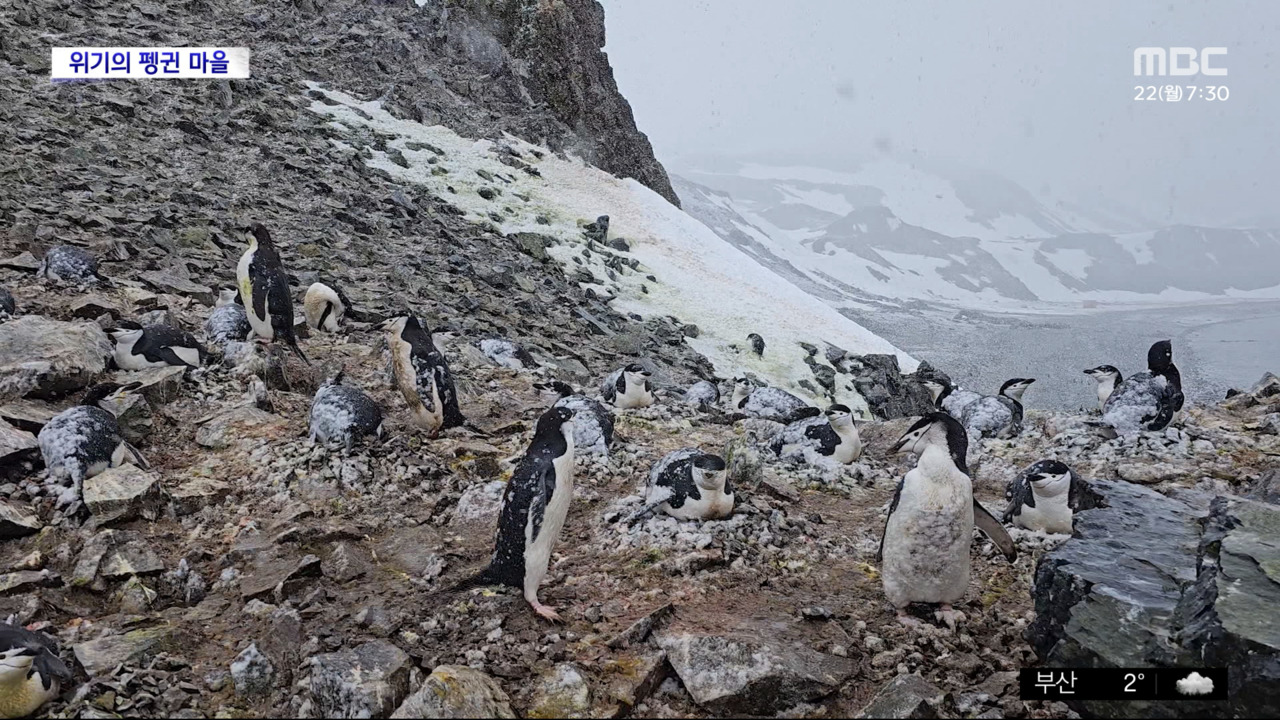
x=999, y=416
x=325, y=306
x=924, y=552
x=139, y=348
x=769, y=403
x=31, y=673
x=1045, y=497
x=71, y=265
x=688, y=484
x=1108, y=378
x=1147, y=400
x=421, y=374
x=534, y=507
x=592, y=421
x=85, y=440
x=343, y=414
x=264, y=290
x=628, y=387
x=832, y=435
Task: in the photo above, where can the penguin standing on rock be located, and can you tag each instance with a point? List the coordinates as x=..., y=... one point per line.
x=228, y=321
x=31, y=673
x=1046, y=496
x=343, y=414
x=85, y=440
x=833, y=436
x=325, y=306
x=422, y=375
x=139, y=348
x=1147, y=400
x=534, y=507
x=592, y=421
x=999, y=416
x=68, y=264
x=264, y=290
x=924, y=551
x=757, y=344
x=1108, y=378
x=769, y=403
x=628, y=387
x=688, y=484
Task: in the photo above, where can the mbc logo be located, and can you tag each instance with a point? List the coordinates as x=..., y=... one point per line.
x=1180, y=61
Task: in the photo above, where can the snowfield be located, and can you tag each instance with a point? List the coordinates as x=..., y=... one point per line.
x=700, y=278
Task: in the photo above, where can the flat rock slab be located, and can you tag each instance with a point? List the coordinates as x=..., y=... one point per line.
x=29, y=415
x=171, y=282
x=237, y=424
x=370, y=680
x=14, y=442
x=46, y=358
x=456, y=691
x=751, y=676
x=197, y=493
x=101, y=656
x=563, y=692
x=17, y=520
x=907, y=696
x=122, y=492
x=158, y=385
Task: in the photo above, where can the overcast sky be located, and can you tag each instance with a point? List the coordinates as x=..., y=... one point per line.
x=1044, y=96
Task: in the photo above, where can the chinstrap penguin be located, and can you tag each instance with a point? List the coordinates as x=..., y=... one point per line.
x=343, y=414
x=592, y=421
x=769, y=403
x=924, y=551
x=505, y=353
x=31, y=673
x=1045, y=496
x=422, y=375
x=832, y=435
x=264, y=290
x=703, y=393
x=85, y=440
x=68, y=264
x=1146, y=400
x=999, y=416
x=324, y=307
x=534, y=507
x=757, y=343
x=8, y=308
x=628, y=388
x=688, y=484
x=228, y=321
x=938, y=392
x=139, y=348
x=1108, y=377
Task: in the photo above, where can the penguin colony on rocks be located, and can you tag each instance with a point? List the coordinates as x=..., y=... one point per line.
x=924, y=547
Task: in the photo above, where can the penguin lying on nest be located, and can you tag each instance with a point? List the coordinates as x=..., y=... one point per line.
x=228, y=321
x=71, y=265
x=592, y=421
x=832, y=435
x=85, y=440
x=688, y=484
x=264, y=290
x=1148, y=400
x=1045, y=497
x=769, y=403
x=139, y=348
x=999, y=416
x=325, y=306
x=343, y=414
x=628, y=387
x=31, y=673
x=924, y=551
x=703, y=393
x=534, y=507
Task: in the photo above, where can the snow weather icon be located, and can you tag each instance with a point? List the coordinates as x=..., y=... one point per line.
x=1195, y=684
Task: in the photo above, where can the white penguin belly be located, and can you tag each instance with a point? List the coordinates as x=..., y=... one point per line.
x=713, y=505
x=126, y=360
x=635, y=396
x=21, y=696
x=261, y=326
x=407, y=380
x=848, y=450
x=927, y=539
x=1051, y=518
x=537, y=552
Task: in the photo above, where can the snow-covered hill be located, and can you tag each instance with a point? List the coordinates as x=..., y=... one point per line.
x=885, y=230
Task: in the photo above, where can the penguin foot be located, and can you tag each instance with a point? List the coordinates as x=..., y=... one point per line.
x=950, y=617
x=909, y=621
x=545, y=612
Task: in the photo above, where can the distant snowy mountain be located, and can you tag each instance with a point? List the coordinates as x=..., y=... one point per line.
x=889, y=231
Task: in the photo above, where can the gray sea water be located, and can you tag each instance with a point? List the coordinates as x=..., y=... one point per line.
x=1214, y=346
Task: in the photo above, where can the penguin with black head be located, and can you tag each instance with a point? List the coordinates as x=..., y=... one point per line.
x=688, y=484
x=31, y=673
x=534, y=508
x=1147, y=400
x=264, y=290
x=1108, y=378
x=421, y=374
x=628, y=387
x=139, y=348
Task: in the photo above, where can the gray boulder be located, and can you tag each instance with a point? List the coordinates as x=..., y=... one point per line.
x=908, y=696
x=370, y=680
x=455, y=691
x=46, y=358
x=879, y=380
x=252, y=672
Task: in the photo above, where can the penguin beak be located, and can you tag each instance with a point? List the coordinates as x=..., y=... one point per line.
x=897, y=447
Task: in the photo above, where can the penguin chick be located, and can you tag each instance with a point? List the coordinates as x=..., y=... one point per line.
x=703, y=393
x=924, y=551
x=999, y=416
x=534, y=507
x=1147, y=400
x=31, y=673
x=71, y=265
x=769, y=403
x=592, y=421
x=1045, y=496
x=422, y=375
x=628, y=387
x=343, y=414
x=832, y=435
x=85, y=440
x=324, y=307
x=264, y=290
x=155, y=346
x=757, y=344
x=8, y=308
x=688, y=484
x=1108, y=378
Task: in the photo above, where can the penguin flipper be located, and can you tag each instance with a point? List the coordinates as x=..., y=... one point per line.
x=167, y=356
x=897, y=495
x=992, y=528
x=293, y=344
x=137, y=456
